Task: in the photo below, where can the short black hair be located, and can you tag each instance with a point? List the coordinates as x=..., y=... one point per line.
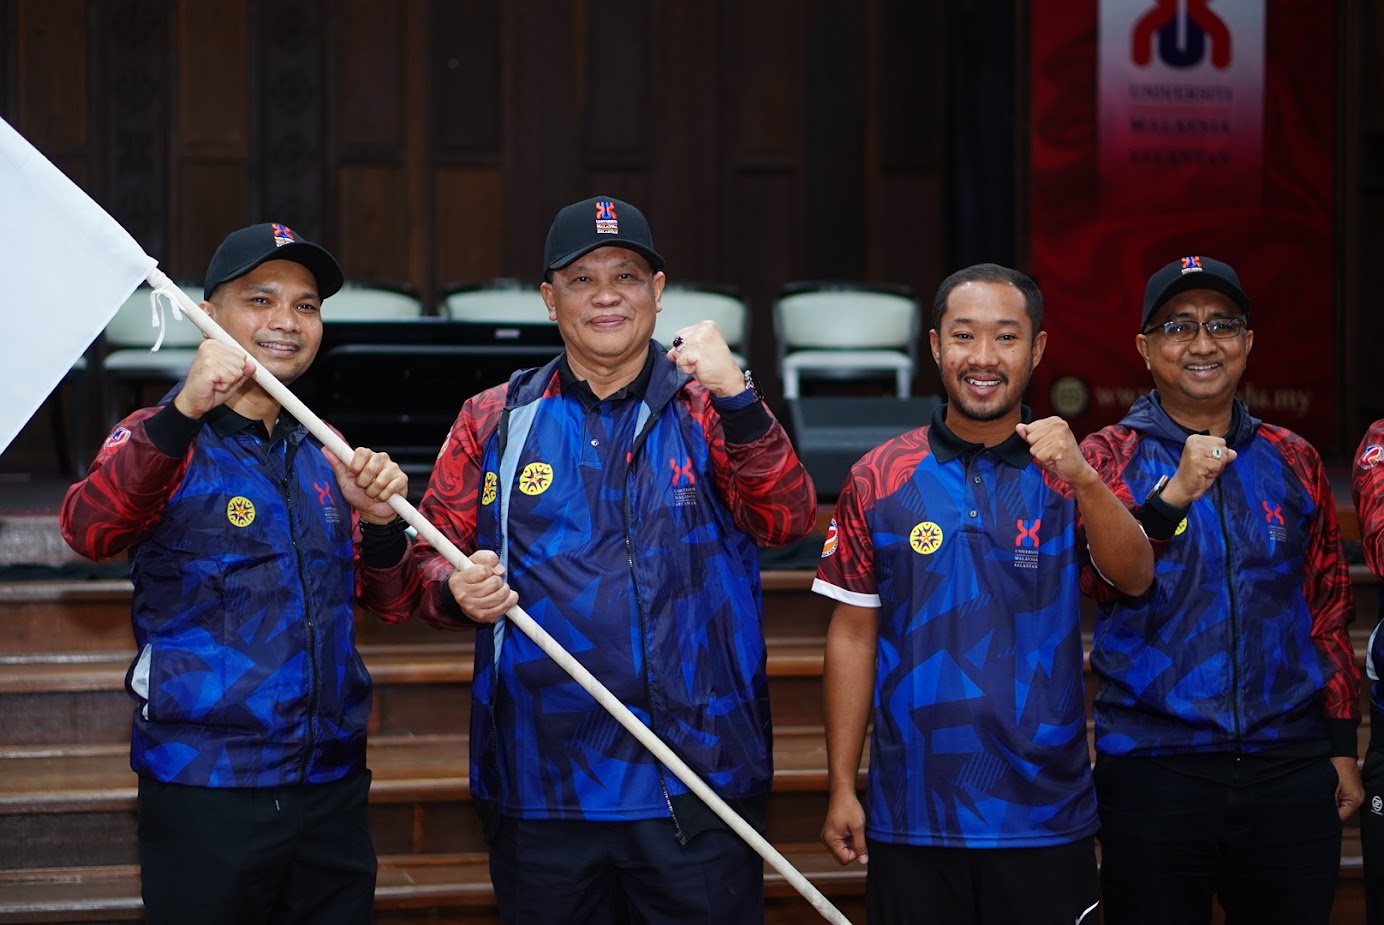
x=992, y=273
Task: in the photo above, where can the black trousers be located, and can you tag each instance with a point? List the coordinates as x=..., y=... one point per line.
x=913, y=885
x=554, y=872
x=1372, y=822
x=1170, y=842
x=243, y=856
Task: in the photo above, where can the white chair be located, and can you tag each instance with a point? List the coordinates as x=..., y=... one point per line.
x=687, y=303
x=500, y=302
x=846, y=331
x=127, y=359
x=367, y=302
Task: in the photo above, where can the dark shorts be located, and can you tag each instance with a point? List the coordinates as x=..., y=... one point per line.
x=907, y=884
x=285, y=855
x=551, y=872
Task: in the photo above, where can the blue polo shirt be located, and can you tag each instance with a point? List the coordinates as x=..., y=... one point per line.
x=972, y=556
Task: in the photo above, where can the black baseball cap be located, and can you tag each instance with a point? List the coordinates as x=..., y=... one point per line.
x=584, y=226
x=247, y=248
x=1192, y=273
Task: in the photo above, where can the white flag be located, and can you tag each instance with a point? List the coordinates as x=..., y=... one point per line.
x=65, y=268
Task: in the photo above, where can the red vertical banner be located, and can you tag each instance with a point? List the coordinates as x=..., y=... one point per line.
x=1168, y=128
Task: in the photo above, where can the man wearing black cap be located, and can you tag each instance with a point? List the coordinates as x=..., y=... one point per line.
x=251, y=700
x=619, y=492
x=1229, y=698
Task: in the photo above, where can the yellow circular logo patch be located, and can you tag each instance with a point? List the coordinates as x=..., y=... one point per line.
x=925, y=538
x=1181, y=528
x=488, y=490
x=535, y=478
x=240, y=511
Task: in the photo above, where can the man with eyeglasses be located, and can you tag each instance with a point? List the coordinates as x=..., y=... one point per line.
x=1367, y=491
x=1229, y=698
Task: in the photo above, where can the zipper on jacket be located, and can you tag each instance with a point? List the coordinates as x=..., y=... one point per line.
x=1234, y=620
x=644, y=621
x=314, y=670
x=501, y=440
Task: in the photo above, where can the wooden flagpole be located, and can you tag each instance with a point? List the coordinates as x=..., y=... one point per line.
x=551, y=647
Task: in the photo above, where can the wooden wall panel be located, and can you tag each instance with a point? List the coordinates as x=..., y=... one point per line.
x=368, y=79
x=212, y=200
x=52, y=75
x=617, y=74
x=684, y=198
x=545, y=119
x=470, y=219
x=467, y=78
x=763, y=96
x=910, y=84
x=908, y=248
x=764, y=231
x=836, y=234
x=213, y=79
x=129, y=44
x=375, y=230
x=290, y=57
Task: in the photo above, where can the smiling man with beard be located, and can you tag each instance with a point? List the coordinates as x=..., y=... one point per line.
x=957, y=555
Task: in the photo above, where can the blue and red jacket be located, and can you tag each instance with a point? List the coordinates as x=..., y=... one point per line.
x=1242, y=642
x=243, y=561
x=1367, y=491
x=628, y=527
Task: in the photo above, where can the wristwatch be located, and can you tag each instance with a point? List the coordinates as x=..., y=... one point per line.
x=752, y=387
x=749, y=396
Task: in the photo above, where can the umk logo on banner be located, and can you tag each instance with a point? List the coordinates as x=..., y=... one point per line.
x=1214, y=135
x=1181, y=101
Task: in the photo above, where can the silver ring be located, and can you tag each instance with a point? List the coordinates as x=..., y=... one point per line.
x=677, y=342
x=1216, y=453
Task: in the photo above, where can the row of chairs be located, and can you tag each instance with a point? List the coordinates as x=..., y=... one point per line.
x=835, y=330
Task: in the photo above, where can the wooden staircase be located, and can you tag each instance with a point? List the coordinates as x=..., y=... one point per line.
x=67, y=795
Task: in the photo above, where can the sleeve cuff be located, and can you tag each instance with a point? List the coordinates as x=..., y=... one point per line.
x=381, y=547
x=1341, y=732
x=744, y=424
x=1159, y=518
x=171, y=431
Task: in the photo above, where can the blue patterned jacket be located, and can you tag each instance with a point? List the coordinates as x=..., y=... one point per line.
x=243, y=559
x=1242, y=642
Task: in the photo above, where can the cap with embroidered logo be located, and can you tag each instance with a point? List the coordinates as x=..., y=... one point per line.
x=598, y=222
x=1188, y=273
x=247, y=248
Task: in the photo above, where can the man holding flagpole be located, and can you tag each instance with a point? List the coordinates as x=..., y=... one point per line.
x=619, y=492
x=249, y=544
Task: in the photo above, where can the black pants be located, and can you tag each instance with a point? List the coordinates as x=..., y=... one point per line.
x=552, y=872
x=908, y=884
x=1372, y=822
x=1270, y=851
x=237, y=856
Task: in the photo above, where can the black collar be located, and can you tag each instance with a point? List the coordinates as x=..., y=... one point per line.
x=225, y=422
x=947, y=446
x=1236, y=416
x=638, y=388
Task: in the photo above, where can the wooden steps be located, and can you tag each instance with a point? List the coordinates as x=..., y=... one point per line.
x=407, y=885
x=67, y=796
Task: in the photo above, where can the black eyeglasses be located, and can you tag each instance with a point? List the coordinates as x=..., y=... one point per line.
x=1182, y=330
